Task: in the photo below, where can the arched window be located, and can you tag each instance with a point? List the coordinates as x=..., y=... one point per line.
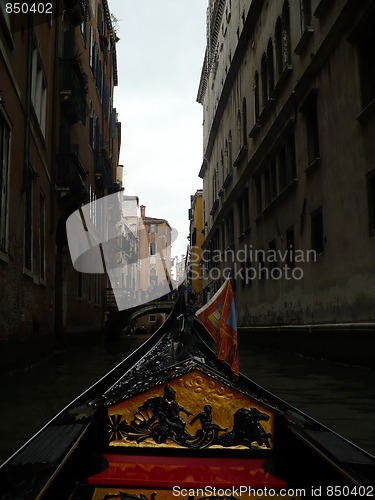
x=285, y=22
x=256, y=96
x=270, y=70
x=279, y=47
x=264, y=80
x=244, y=120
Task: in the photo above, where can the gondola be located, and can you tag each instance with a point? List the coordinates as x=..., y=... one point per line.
x=171, y=421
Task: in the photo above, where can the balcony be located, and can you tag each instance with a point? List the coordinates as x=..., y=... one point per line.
x=73, y=90
x=103, y=169
x=71, y=176
x=76, y=10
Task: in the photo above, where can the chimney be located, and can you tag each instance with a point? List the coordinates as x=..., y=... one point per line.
x=143, y=212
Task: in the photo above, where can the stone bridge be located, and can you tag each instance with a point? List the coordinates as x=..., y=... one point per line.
x=118, y=320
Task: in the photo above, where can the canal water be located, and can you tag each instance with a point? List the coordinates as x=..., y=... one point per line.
x=340, y=396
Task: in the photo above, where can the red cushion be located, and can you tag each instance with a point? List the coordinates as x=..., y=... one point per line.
x=166, y=472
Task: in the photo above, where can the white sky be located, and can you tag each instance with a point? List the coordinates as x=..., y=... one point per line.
x=160, y=56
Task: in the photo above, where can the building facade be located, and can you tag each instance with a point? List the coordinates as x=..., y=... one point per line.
x=154, y=256
x=59, y=148
x=196, y=241
x=287, y=90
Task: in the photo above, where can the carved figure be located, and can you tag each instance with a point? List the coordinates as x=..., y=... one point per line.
x=246, y=429
x=208, y=426
x=166, y=416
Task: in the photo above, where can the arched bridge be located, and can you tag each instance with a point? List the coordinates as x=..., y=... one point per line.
x=118, y=320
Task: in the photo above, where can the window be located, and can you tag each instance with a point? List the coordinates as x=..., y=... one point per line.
x=84, y=24
x=42, y=237
x=239, y=129
x=4, y=169
x=270, y=183
x=153, y=277
x=91, y=56
x=279, y=47
x=305, y=6
x=371, y=201
x=152, y=248
x=194, y=237
x=290, y=246
x=317, y=233
x=285, y=24
x=291, y=159
x=214, y=187
x=99, y=78
x=366, y=56
x=244, y=120
x=312, y=129
x=256, y=96
x=28, y=250
x=264, y=75
x=270, y=70
x=38, y=90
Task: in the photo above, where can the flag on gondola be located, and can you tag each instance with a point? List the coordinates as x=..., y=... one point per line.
x=218, y=316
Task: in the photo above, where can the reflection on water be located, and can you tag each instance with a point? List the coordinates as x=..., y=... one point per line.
x=340, y=396
x=30, y=398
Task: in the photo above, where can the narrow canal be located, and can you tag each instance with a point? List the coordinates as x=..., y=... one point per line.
x=340, y=396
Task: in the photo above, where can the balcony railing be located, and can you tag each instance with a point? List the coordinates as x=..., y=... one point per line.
x=71, y=173
x=76, y=10
x=73, y=90
x=103, y=168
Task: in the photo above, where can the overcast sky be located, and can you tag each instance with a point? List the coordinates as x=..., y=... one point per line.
x=160, y=56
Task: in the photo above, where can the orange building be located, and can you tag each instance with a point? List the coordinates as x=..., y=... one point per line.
x=154, y=255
